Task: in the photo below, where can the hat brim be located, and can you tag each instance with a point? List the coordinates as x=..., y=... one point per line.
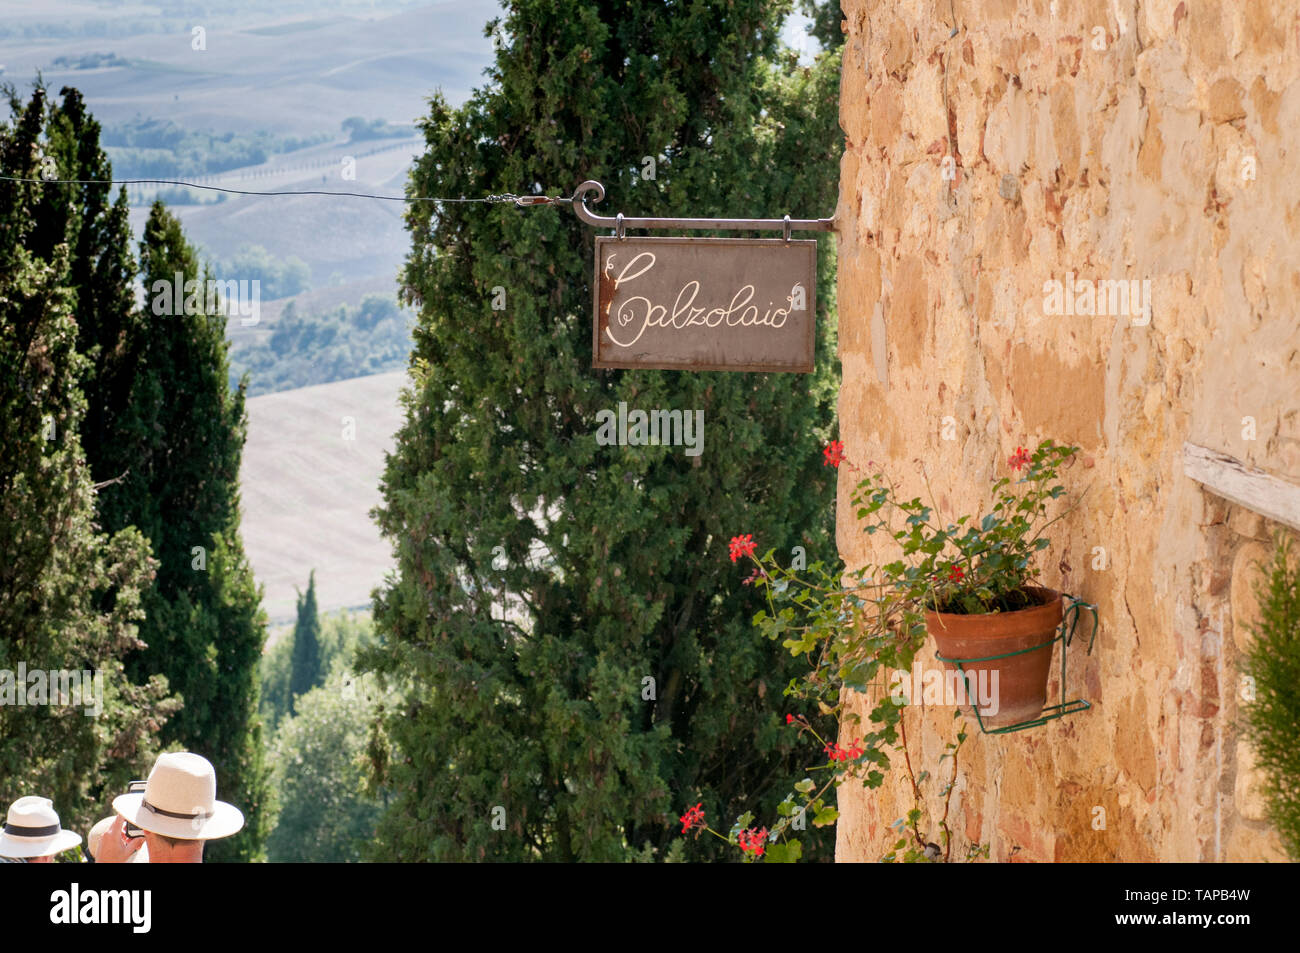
x=225, y=819
x=24, y=847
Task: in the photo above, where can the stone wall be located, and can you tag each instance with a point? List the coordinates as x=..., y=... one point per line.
x=1143, y=141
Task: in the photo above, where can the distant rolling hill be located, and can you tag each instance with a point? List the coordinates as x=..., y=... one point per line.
x=307, y=490
x=293, y=68
x=342, y=239
x=254, y=72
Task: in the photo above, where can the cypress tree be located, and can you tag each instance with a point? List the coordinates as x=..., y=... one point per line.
x=305, y=671
x=70, y=595
x=184, y=430
x=623, y=680
x=163, y=436
x=110, y=328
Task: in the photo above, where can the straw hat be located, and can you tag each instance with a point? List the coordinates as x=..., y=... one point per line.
x=32, y=830
x=96, y=834
x=180, y=801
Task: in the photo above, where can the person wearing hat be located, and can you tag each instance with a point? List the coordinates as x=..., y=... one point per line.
x=178, y=811
x=96, y=834
x=32, y=834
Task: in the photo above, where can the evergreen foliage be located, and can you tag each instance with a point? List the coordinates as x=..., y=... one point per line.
x=342, y=634
x=205, y=628
x=1272, y=719
x=319, y=773
x=609, y=674
x=71, y=596
x=162, y=434
x=825, y=17
x=306, y=671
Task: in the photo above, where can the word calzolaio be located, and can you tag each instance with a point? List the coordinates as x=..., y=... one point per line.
x=705, y=304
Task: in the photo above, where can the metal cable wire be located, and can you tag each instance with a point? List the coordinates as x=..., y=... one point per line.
x=523, y=201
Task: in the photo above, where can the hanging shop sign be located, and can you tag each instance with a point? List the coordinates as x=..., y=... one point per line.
x=703, y=304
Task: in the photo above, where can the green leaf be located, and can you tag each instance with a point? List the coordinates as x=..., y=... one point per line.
x=782, y=853
x=827, y=815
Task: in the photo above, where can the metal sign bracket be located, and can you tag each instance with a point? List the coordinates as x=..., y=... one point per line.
x=620, y=223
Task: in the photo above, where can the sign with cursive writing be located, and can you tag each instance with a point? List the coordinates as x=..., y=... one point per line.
x=705, y=304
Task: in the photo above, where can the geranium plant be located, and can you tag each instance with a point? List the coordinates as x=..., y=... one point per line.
x=856, y=626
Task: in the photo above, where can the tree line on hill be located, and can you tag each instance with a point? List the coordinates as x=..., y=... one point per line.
x=158, y=148
x=317, y=347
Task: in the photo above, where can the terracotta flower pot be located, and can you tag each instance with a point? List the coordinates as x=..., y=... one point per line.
x=1019, y=687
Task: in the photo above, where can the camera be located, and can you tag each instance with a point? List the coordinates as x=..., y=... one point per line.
x=135, y=787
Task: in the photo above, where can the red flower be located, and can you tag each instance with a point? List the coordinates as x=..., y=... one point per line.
x=742, y=546
x=694, y=815
x=834, y=454
x=836, y=753
x=956, y=573
x=756, y=574
x=789, y=719
x=753, y=840
x=1019, y=459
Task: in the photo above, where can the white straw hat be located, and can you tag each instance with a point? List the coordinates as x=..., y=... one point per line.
x=32, y=830
x=180, y=801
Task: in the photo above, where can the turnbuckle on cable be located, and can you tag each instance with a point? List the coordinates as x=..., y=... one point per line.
x=525, y=201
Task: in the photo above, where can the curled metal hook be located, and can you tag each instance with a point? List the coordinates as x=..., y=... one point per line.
x=579, y=200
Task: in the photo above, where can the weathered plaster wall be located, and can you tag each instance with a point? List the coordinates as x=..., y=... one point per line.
x=1137, y=140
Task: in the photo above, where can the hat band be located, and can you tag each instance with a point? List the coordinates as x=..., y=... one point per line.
x=18, y=831
x=185, y=817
